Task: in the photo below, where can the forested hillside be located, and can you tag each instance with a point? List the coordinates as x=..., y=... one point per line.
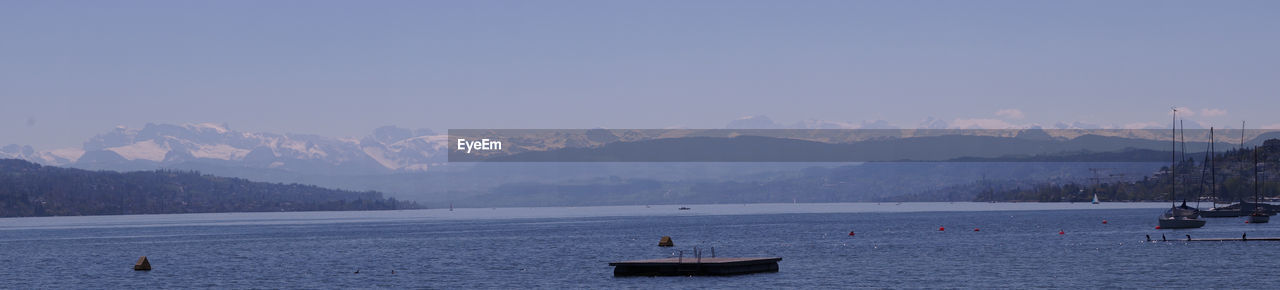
x=1231, y=179
x=28, y=189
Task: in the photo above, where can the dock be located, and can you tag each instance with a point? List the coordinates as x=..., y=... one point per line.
x=1235, y=239
x=695, y=266
x=1242, y=238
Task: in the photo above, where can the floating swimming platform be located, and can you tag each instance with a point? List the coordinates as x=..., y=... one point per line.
x=695, y=266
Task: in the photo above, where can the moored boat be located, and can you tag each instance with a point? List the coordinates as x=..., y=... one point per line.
x=1258, y=216
x=1178, y=217
x=1239, y=209
x=1181, y=217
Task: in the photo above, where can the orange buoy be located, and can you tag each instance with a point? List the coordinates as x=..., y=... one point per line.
x=942, y=229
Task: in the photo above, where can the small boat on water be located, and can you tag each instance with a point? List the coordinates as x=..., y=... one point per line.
x=1181, y=217
x=1259, y=218
x=1239, y=209
x=684, y=208
x=1095, y=198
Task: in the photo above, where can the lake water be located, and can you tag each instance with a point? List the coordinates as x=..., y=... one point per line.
x=896, y=245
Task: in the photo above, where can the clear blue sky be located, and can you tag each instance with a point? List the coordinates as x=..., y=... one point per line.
x=73, y=69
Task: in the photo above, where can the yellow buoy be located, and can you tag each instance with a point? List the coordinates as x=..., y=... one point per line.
x=666, y=242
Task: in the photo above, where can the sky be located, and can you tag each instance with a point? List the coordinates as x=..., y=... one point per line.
x=72, y=69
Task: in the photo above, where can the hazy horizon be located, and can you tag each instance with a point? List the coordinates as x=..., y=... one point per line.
x=72, y=70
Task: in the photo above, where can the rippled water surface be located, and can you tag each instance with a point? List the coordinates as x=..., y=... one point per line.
x=896, y=245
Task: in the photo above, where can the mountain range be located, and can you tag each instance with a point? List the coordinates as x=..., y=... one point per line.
x=388, y=149
x=412, y=163
x=392, y=150
x=764, y=122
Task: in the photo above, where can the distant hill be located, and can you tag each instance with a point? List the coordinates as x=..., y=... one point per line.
x=866, y=182
x=1127, y=155
x=29, y=189
x=1086, y=148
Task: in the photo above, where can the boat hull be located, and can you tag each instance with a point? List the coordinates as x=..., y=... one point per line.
x=1259, y=219
x=1231, y=213
x=1240, y=209
x=1222, y=213
x=1180, y=223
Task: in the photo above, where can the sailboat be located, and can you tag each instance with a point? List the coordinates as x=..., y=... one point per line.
x=1096, y=182
x=1215, y=211
x=1258, y=216
x=1178, y=217
x=1242, y=207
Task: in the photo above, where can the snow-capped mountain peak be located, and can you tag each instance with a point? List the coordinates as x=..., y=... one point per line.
x=161, y=145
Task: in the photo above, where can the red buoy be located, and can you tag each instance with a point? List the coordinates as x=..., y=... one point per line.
x=975, y=229
x=1061, y=232
x=1104, y=222
x=942, y=229
x=850, y=233
x=1157, y=227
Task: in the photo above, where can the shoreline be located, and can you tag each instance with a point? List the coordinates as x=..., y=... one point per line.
x=522, y=213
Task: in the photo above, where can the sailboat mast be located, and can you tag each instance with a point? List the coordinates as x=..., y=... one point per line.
x=1241, y=155
x=1183, y=133
x=1255, y=177
x=1173, y=158
x=1213, y=169
x=1183, y=156
x=1200, y=195
x=1242, y=137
